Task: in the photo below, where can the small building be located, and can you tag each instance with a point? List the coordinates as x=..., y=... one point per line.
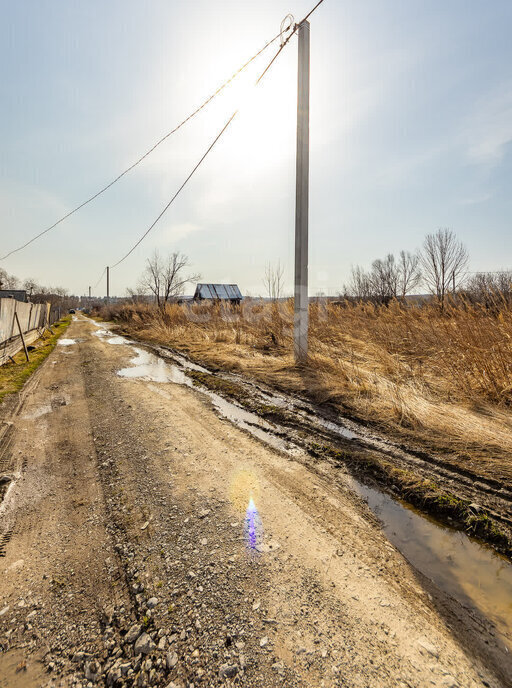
x=218, y=292
x=17, y=294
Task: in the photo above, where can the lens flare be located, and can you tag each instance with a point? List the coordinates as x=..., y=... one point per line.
x=253, y=527
x=244, y=485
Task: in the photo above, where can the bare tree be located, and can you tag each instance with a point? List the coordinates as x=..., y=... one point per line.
x=150, y=280
x=444, y=260
x=8, y=281
x=380, y=284
x=384, y=279
x=135, y=295
x=164, y=276
x=274, y=280
x=359, y=285
x=490, y=289
x=31, y=286
x=409, y=273
x=173, y=279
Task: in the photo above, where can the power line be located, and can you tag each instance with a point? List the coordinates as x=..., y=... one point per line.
x=285, y=42
x=293, y=29
x=178, y=191
x=101, y=277
x=145, y=155
x=311, y=11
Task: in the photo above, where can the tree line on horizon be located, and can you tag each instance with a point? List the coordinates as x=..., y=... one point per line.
x=440, y=267
x=37, y=293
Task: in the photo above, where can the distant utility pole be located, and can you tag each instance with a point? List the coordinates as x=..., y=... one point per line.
x=89, y=293
x=108, y=284
x=300, y=340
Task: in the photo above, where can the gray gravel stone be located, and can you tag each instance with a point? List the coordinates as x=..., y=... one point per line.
x=171, y=659
x=133, y=633
x=228, y=670
x=143, y=645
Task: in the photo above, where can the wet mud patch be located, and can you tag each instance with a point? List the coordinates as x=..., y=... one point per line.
x=369, y=457
x=5, y=481
x=324, y=438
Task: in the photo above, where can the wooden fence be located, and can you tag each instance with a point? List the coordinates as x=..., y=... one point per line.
x=30, y=318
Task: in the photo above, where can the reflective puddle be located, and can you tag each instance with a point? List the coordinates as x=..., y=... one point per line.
x=147, y=366
x=117, y=339
x=66, y=342
x=38, y=412
x=469, y=571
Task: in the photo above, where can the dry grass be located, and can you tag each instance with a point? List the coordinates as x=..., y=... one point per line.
x=444, y=379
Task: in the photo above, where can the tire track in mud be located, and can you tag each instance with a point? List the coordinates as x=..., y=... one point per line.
x=12, y=406
x=307, y=425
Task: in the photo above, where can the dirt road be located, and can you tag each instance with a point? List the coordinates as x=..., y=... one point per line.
x=149, y=542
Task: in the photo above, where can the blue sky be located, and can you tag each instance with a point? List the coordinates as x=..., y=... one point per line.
x=411, y=124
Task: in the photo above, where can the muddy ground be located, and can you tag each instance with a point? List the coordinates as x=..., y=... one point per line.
x=127, y=559
x=478, y=505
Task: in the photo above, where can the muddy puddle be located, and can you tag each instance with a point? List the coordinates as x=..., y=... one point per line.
x=467, y=570
x=152, y=368
x=146, y=366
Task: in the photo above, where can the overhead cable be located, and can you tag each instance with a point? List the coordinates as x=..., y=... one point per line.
x=101, y=277
x=178, y=191
x=145, y=155
x=283, y=43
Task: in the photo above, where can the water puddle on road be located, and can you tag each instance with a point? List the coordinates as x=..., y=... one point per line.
x=66, y=342
x=38, y=412
x=110, y=336
x=147, y=366
x=117, y=339
x=468, y=571
x=102, y=332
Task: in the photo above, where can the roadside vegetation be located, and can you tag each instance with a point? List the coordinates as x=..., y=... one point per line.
x=13, y=375
x=442, y=377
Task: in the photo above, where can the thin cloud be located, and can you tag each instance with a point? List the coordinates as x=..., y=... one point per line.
x=177, y=232
x=489, y=129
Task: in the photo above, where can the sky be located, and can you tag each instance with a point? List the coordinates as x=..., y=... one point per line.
x=410, y=130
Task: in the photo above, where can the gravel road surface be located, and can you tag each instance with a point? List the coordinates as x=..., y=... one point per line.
x=147, y=541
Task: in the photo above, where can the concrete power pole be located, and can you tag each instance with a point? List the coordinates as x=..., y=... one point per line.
x=108, y=284
x=301, y=317
x=89, y=293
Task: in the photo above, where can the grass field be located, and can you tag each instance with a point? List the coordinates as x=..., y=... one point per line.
x=443, y=381
x=14, y=375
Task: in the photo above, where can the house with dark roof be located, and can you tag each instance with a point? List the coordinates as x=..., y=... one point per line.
x=17, y=294
x=218, y=292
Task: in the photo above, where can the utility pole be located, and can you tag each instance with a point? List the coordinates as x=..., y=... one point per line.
x=108, y=284
x=89, y=293
x=301, y=315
